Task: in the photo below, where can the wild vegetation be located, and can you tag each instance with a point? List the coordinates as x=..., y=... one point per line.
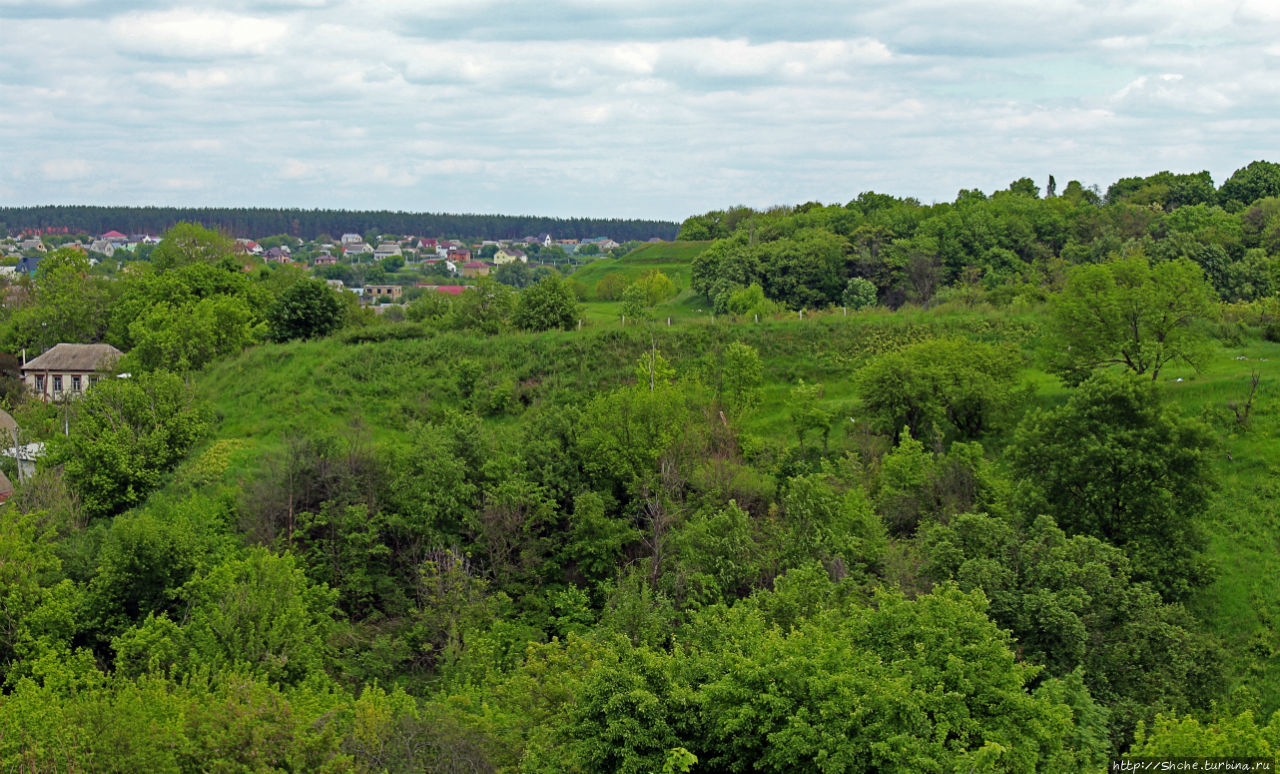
x=978, y=486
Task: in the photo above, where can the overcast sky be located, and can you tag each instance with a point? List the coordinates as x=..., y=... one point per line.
x=620, y=108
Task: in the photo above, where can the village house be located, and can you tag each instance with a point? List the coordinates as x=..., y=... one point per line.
x=324, y=259
x=103, y=246
x=475, y=269
x=387, y=250
x=279, y=255
x=510, y=255
x=383, y=291
x=67, y=370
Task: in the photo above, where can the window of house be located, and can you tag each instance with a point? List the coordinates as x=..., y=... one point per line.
x=40, y=384
x=57, y=385
x=75, y=384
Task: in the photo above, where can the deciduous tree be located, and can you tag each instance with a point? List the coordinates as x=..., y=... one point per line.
x=1131, y=314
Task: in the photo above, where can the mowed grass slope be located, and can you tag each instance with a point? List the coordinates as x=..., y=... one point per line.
x=675, y=259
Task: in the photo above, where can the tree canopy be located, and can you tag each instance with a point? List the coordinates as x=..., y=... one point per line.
x=1132, y=314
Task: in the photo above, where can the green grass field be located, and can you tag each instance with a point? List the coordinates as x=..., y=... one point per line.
x=675, y=259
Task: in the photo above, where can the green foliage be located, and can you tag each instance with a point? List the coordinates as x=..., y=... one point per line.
x=1071, y=605
x=610, y=287
x=307, y=309
x=859, y=684
x=190, y=337
x=943, y=386
x=127, y=433
x=565, y=552
x=222, y=722
x=1129, y=313
x=742, y=378
x=1116, y=463
x=547, y=304
x=182, y=318
x=822, y=523
x=28, y=567
x=1236, y=736
x=627, y=430
x=1165, y=189
x=188, y=243
x=1258, y=180
x=634, y=302
x=432, y=305
x=484, y=307
x=595, y=540
x=142, y=561
x=859, y=293
x=718, y=557
x=259, y=613
x=746, y=301
x=804, y=405
x=656, y=287
x=70, y=305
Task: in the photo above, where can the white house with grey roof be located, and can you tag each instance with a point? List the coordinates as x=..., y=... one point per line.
x=67, y=370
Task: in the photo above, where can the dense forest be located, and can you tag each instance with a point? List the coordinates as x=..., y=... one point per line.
x=981, y=486
x=311, y=224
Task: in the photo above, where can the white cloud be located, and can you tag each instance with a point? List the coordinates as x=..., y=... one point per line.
x=1171, y=91
x=189, y=80
x=182, y=183
x=613, y=107
x=65, y=169
x=192, y=34
x=293, y=169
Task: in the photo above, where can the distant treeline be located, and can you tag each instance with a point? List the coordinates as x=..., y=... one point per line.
x=309, y=224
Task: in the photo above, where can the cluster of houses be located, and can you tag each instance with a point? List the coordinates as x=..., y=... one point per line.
x=449, y=257
x=428, y=250
x=29, y=244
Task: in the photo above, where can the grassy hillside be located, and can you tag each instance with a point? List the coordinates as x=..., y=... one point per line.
x=671, y=258
x=383, y=388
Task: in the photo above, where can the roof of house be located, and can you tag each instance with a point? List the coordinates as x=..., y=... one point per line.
x=453, y=290
x=29, y=263
x=113, y=235
x=74, y=357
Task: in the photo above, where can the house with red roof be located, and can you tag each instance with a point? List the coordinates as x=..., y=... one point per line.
x=475, y=269
x=453, y=290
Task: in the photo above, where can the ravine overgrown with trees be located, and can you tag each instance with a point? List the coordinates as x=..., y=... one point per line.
x=984, y=485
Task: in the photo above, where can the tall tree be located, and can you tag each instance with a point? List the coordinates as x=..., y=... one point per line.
x=1129, y=313
x=305, y=310
x=125, y=435
x=1116, y=463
